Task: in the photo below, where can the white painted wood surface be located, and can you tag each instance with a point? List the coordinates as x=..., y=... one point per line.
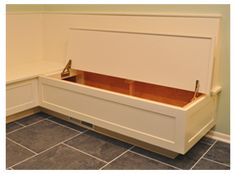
x=21, y=96
x=56, y=26
x=24, y=37
x=19, y=71
x=173, y=128
x=22, y=83
x=167, y=60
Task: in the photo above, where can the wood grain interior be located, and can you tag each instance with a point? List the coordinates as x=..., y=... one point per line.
x=162, y=94
x=106, y=82
x=172, y=96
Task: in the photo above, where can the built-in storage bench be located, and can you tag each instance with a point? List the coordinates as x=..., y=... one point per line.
x=22, y=85
x=155, y=86
x=162, y=118
x=21, y=95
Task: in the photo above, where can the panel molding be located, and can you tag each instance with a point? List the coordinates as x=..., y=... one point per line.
x=206, y=15
x=17, y=101
x=190, y=54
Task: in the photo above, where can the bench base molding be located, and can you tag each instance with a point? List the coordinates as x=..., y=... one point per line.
x=22, y=114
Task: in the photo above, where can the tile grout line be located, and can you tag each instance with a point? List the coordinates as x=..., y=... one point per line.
x=84, y=152
x=15, y=130
x=36, y=154
x=19, y=124
x=116, y=157
x=17, y=121
x=27, y=126
x=23, y=161
x=24, y=126
x=216, y=162
x=62, y=142
x=22, y=145
x=64, y=125
x=42, y=152
x=203, y=155
x=156, y=160
x=79, y=133
x=209, y=143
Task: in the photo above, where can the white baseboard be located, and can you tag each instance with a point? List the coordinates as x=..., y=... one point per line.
x=219, y=136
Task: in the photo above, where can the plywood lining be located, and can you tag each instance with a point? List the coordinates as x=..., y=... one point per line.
x=173, y=96
x=106, y=82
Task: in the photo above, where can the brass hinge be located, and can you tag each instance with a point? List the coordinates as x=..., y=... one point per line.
x=197, y=85
x=66, y=70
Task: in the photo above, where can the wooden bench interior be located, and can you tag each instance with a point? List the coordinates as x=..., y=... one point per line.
x=167, y=95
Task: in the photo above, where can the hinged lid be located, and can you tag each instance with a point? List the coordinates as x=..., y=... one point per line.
x=168, y=60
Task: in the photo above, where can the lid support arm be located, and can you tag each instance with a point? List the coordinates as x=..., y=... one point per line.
x=196, y=91
x=66, y=70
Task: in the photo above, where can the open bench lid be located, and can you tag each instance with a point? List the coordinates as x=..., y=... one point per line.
x=168, y=60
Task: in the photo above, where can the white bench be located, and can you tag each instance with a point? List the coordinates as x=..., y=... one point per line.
x=22, y=84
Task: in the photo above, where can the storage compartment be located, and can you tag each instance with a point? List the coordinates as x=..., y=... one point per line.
x=157, y=123
x=173, y=96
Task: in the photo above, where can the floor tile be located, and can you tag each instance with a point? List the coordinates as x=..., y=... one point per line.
x=40, y=136
x=204, y=164
x=61, y=157
x=68, y=124
x=98, y=145
x=207, y=140
x=219, y=152
x=15, y=153
x=181, y=161
x=12, y=126
x=130, y=161
x=33, y=118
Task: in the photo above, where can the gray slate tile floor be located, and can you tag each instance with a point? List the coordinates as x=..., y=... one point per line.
x=13, y=126
x=61, y=157
x=45, y=142
x=98, y=145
